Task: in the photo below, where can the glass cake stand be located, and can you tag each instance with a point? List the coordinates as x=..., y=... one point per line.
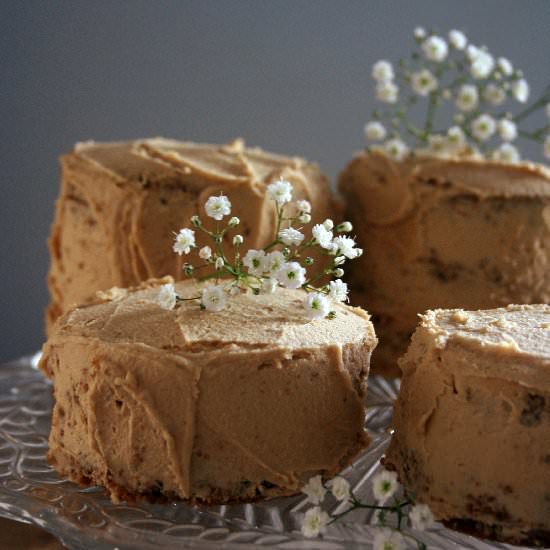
x=32, y=492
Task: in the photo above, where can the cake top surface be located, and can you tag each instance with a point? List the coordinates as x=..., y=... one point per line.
x=148, y=160
x=249, y=321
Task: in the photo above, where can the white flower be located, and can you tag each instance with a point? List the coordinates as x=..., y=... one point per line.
x=268, y=286
x=482, y=65
x=384, y=486
x=322, y=236
x=507, y=130
x=291, y=275
x=435, y=48
x=419, y=33
x=472, y=52
x=506, y=153
x=375, y=131
x=217, y=207
x=254, y=261
x=304, y=206
x=396, y=149
x=280, y=191
x=455, y=137
x=238, y=240
x=387, y=92
x=494, y=95
x=167, y=296
x=505, y=66
x=234, y=221
x=386, y=539
x=339, y=260
x=315, y=490
x=328, y=224
x=315, y=522
x=520, y=90
x=185, y=241
x=483, y=127
x=437, y=143
x=344, y=227
x=205, y=253
x=546, y=147
x=304, y=218
x=219, y=263
x=340, y=488
x=423, y=82
x=338, y=290
x=213, y=298
x=272, y=262
x=457, y=39
x=345, y=246
x=467, y=98
x=291, y=236
x=421, y=517
x=382, y=71
x=316, y=305
x=339, y=272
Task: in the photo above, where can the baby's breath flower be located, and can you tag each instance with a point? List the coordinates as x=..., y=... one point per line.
x=505, y=66
x=437, y=143
x=315, y=490
x=205, y=253
x=457, y=39
x=546, y=147
x=419, y=33
x=234, y=221
x=472, y=52
x=291, y=275
x=520, y=90
x=338, y=272
x=238, y=240
x=396, y=149
x=384, y=486
x=217, y=207
x=387, y=91
x=455, y=138
x=339, y=260
x=421, y=517
x=291, y=236
x=507, y=130
x=328, y=224
x=304, y=206
x=482, y=65
x=467, y=98
x=386, y=539
x=254, y=261
x=196, y=221
x=375, y=131
x=280, y=191
x=483, y=127
x=344, y=246
x=494, y=95
x=315, y=522
x=506, y=153
x=423, y=82
x=185, y=241
x=382, y=71
x=322, y=236
x=304, y=218
x=338, y=290
x=268, y=285
x=167, y=296
x=219, y=263
x=435, y=48
x=213, y=298
x=340, y=488
x=316, y=305
x=344, y=227
x=272, y=262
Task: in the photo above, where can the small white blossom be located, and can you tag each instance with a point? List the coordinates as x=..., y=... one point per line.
x=483, y=65
x=291, y=275
x=217, y=207
x=339, y=260
x=384, y=486
x=234, y=221
x=304, y=206
x=387, y=91
x=396, y=149
x=238, y=240
x=467, y=98
x=185, y=241
x=457, y=39
x=254, y=261
x=382, y=71
x=419, y=33
x=205, y=253
x=338, y=272
x=280, y=191
x=167, y=296
x=472, y=52
x=387, y=539
x=219, y=263
x=546, y=147
x=507, y=130
x=322, y=235
x=437, y=143
x=340, y=488
x=315, y=490
x=520, y=90
x=268, y=286
x=375, y=131
x=344, y=246
x=315, y=522
x=494, y=94
x=506, y=153
x=505, y=66
x=304, y=218
x=316, y=305
x=338, y=290
x=483, y=127
x=344, y=227
x=421, y=517
x=455, y=138
x=423, y=82
x=328, y=224
x=272, y=262
x=213, y=298
x=435, y=48
x=291, y=236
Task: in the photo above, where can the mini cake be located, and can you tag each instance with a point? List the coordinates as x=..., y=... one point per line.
x=209, y=406
x=122, y=202
x=444, y=233
x=472, y=422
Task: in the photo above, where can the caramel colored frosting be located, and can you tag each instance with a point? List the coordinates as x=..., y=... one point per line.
x=453, y=233
x=120, y=204
x=212, y=406
x=472, y=421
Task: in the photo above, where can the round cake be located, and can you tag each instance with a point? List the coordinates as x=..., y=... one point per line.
x=122, y=203
x=444, y=233
x=472, y=421
x=248, y=402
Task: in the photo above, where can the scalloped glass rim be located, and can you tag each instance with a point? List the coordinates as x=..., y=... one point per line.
x=32, y=492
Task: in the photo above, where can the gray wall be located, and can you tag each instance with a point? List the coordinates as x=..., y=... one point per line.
x=290, y=76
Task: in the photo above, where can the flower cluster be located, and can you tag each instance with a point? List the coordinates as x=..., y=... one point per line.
x=384, y=487
x=455, y=72
x=282, y=263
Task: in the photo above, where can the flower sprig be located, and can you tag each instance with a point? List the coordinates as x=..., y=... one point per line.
x=444, y=71
x=284, y=262
x=390, y=534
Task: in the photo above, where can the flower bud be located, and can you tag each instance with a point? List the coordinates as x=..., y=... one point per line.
x=328, y=224
x=196, y=221
x=238, y=240
x=187, y=269
x=219, y=263
x=338, y=272
x=304, y=218
x=339, y=260
x=309, y=260
x=344, y=227
x=234, y=221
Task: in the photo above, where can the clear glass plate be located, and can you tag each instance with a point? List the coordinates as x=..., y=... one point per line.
x=31, y=491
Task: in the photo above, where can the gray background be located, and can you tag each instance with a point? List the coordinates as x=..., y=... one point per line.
x=290, y=76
